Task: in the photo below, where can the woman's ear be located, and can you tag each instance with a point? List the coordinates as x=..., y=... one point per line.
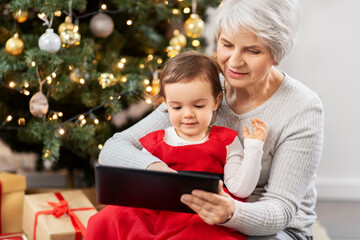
x=218, y=101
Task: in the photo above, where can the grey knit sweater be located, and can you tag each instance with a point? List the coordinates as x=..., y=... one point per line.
x=285, y=195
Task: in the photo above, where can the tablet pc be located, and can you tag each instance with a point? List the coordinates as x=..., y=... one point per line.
x=149, y=189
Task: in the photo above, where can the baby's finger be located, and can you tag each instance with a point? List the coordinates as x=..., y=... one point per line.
x=246, y=131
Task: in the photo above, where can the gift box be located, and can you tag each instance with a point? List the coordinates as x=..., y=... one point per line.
x=12, y=189
x=57, y=215
x=13, y=236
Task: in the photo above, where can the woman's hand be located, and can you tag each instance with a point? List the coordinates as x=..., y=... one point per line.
x=211, y=207
x=160, y=166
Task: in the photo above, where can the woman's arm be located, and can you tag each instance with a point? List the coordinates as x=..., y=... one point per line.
x=291, y=175
x=124, y=148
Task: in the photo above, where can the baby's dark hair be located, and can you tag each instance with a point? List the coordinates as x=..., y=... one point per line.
x=188, y=66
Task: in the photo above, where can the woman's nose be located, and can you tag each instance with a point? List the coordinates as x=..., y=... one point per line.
x=236, y=59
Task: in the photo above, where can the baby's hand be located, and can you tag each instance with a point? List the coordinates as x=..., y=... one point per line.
x=259, y=130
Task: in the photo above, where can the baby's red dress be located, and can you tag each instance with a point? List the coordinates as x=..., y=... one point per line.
x=116, y=222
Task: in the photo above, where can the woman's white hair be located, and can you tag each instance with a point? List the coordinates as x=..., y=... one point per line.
x=275, y=22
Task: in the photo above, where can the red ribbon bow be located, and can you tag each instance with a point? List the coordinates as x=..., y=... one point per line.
x=60, y=209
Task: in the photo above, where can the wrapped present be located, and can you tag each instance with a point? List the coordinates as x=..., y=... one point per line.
x=13, y=236
x=58, y=215
x=12, y=189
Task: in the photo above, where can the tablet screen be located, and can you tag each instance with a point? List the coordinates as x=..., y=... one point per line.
x=150, y=189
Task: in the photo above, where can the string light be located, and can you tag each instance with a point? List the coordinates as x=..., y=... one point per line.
x=121, y=65
x=12, y=84
x=142, y=66
x=146, y=81
x=9, y=118
x=81, y=117
x=57, y=13
x=123, y=79
x=61, y=131
x=26, y=85
x=175, y=11
x=103, y=6
x=150, y=57
x=41, y=15
x=26, y=92
x=60, y=114
x=48, y=80
x=129, y=22
x=159, y=61
x=33, y=63
x=148, y=101
x=186, y=10
x=82, y=81
x=100, y=146
x=96, y=121
x=148, y=89
x=53, y=74
x=123, y=60
x=196, y=43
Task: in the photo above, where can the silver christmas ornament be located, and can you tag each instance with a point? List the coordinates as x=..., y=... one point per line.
x=101, y=25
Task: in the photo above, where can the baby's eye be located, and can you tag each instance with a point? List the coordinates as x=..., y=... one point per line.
x=226, y=45
x=199, y=106
x=176, y=108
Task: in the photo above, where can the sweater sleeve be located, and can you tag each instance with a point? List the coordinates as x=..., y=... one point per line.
x=242, y=171
x=124, y=148
x=293, y=168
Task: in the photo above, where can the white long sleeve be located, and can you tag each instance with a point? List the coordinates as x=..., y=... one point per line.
x=242, y=168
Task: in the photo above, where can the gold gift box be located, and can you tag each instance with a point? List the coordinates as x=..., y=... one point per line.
x=51, y=227
x=12, y=198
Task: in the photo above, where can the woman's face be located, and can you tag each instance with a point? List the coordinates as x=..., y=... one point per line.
x=244, y=61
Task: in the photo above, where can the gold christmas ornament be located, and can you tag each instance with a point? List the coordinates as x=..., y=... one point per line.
x=178, y=39
x=67, y=25
x=194, y=26
x=21, y=16
x=155, y=87
x=14, y=45
x=101, y=25
x=69, y=38
x=106, y=80
x=173, y=51
x=38, y=105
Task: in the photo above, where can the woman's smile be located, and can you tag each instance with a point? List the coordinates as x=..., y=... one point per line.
x=235, y=74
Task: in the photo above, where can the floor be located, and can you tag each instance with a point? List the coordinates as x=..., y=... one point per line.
x=341, y=219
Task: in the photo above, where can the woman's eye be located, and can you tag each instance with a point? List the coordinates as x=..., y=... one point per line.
x=254, y=52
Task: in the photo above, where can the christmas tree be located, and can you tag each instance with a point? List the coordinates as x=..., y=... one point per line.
x=66, y=67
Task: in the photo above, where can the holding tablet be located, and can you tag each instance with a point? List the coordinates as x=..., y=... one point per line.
x=150, y=189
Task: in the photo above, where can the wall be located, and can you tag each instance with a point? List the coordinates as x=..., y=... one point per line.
x=327, y=59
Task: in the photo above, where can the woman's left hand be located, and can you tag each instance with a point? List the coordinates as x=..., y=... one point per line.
x=211, y=207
